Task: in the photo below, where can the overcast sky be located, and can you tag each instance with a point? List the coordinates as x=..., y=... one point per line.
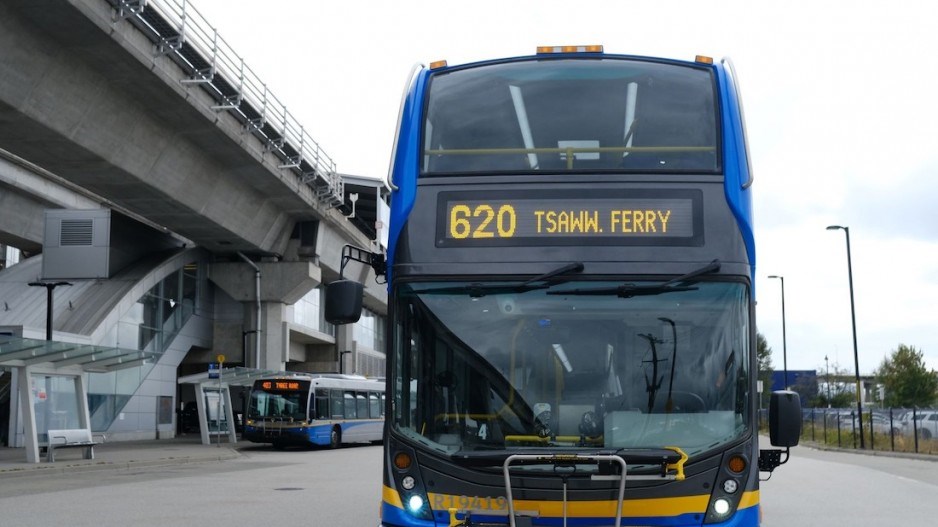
x=840, y=100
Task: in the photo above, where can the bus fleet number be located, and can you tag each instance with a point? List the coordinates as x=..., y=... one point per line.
x=483, y=221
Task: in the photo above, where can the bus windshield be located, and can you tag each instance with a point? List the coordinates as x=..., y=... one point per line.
x=483, y=367
x=272, y=404
x=571, y=115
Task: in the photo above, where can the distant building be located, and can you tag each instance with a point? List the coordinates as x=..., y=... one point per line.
x=795, y=377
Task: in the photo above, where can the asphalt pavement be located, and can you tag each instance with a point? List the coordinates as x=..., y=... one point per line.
x=120, y=455
x=188, y=448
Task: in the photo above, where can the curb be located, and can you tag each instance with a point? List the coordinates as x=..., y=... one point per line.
x=881, y=453
x=42, y=470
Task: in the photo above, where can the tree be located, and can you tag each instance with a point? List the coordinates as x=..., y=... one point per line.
x=837, y=391
x=906, y=380
x=764, y=356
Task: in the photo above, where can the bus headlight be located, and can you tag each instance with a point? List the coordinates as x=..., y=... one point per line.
x=729, y=487
x=415, y=503
x=721, y=507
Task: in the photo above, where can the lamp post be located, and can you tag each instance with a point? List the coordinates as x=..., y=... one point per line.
x=784, y=344
x=853, y=318
x=827, y=366
x=50, y=286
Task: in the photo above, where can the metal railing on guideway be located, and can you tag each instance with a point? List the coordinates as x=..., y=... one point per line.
x=180, y=32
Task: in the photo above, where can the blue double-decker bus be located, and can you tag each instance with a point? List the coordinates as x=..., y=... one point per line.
x=571, y=305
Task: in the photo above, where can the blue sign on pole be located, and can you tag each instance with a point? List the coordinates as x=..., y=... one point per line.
x=213, y=370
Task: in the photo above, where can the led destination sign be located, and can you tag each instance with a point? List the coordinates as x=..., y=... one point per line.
x=280, y=385
x=595, y=217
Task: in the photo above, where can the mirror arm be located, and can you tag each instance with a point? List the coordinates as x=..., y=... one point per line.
x=771, y=459
x=375, y=260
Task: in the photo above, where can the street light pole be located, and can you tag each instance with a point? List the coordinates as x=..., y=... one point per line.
x=50, y=286
x=853, y=318
x=784, y=343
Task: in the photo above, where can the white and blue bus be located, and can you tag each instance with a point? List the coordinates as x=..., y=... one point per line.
x=571, y=308
x=315, y=409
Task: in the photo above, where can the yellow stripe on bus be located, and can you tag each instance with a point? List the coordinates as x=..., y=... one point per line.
x=749, y=499
x=594, y=508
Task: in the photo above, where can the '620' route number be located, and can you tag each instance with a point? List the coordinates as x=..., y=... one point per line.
x=482, y=221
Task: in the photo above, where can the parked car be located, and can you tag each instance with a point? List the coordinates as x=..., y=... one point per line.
x=849, y=423
x=926, y=422
x=845, y=418
x=881, y=424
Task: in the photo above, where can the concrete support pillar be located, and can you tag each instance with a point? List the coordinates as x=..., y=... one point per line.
x=276, y=348
x=346, y=351
x=281, y=284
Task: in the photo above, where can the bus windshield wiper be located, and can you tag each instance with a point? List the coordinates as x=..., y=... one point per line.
x=478, y=290
x=629, y=290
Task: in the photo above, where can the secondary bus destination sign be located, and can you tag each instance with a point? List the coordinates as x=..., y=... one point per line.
x=570, y=217
x=280, y=385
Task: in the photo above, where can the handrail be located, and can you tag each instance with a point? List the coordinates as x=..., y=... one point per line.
x=237, y=88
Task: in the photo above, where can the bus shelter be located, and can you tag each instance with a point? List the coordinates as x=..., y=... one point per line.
x=213, y=399
x=50, y=382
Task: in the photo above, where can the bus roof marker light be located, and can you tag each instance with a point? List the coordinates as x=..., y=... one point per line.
x=703, y=59
x=547, y=50
x=437, y=64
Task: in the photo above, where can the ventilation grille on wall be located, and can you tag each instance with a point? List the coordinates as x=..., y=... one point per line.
x=77, y=232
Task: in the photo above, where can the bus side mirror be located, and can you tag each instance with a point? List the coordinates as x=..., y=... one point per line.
x=784, y=418
x=344, y=302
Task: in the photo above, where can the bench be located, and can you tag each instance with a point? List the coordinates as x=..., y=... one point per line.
x=75, y=438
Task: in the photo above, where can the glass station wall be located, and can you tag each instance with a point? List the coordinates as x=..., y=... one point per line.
x=150, y=325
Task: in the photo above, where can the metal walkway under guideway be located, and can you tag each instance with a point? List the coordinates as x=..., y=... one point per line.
x=181, y=33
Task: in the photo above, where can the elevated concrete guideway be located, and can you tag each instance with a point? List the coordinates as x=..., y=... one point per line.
x=140, y=107
x=90, y=97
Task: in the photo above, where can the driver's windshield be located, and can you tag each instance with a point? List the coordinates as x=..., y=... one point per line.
x=278, y=405
x=531, y=369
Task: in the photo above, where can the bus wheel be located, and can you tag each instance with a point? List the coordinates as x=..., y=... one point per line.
x=335, y=437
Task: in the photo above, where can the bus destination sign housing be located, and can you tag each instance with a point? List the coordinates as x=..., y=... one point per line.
x=281, y=385
x=570, y=217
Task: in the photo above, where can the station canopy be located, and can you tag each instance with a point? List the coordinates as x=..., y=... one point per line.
x=20, y=352
x=237, y=376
